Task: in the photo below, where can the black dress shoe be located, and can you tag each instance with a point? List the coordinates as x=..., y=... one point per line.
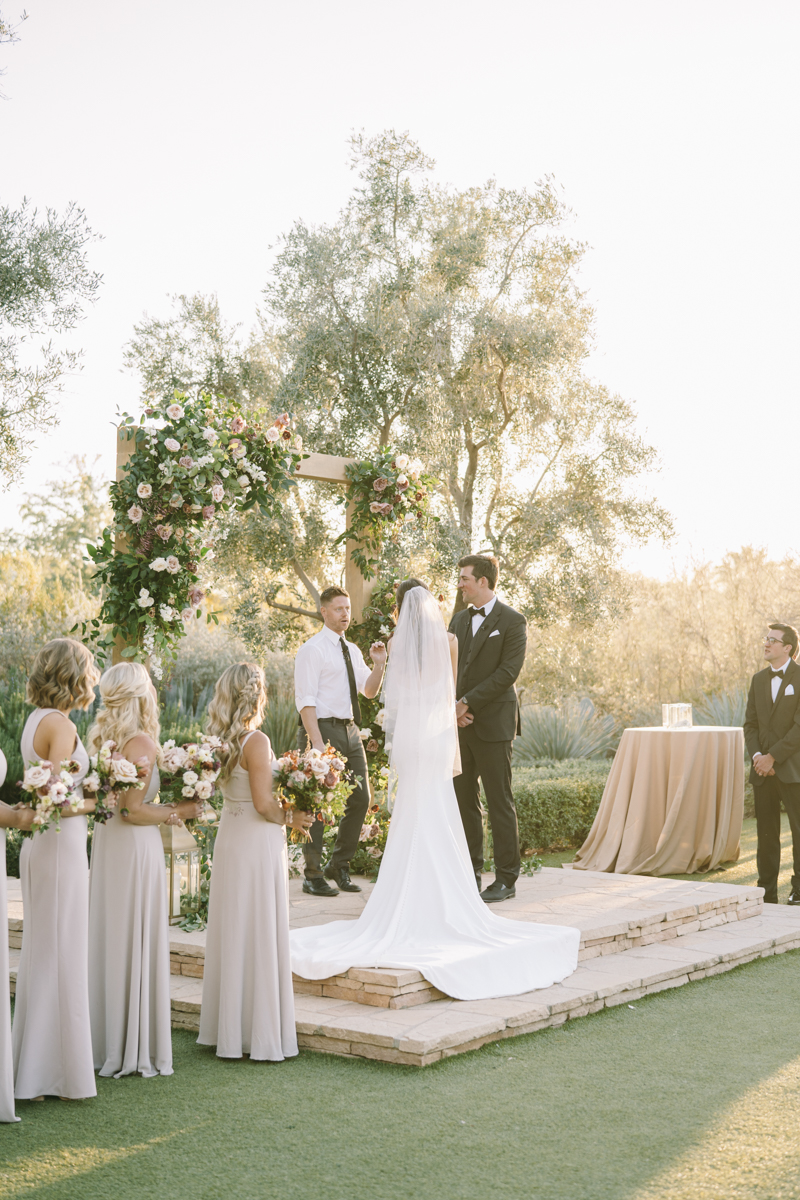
x=794, y=898
x=318, y=887
x=341, y=876
x=498, y=891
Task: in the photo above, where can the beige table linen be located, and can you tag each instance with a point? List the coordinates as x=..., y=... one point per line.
x=672, y=804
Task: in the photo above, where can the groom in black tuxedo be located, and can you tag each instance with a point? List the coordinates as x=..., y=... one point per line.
x=491, y=651
x=772, y=737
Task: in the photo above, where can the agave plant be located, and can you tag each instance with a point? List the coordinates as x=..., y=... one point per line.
x=573, y=731
x=280, y=722
x=721, y=708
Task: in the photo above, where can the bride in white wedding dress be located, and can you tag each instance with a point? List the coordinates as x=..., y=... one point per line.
x=425, y=912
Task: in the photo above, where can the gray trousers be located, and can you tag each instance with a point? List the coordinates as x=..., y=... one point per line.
x=346, y=739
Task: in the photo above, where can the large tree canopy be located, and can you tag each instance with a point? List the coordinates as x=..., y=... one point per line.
x=450, y=324
x=45, y=281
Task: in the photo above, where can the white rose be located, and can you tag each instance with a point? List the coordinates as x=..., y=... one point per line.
x=37, y=776
x=272, y=434
x=144, y=491
x=172, y=445
x=401, y=480
x=158, y=564
x=210, y=435
x=209, y=554
x=381, y=717
x=384, y=771
x=320, y=768
x=145, y=599
x=239, y=451
x=188, y=792
x=190, y=777
x=124, y=771
x=167, y=613
x=224, y=472
x=92, y=782
x=401, y=462
x=173, y=565
x=175, y=500
x=217, y=493
x=135, y=514
x=364, y=734
x=243, y=481
x=174, y=412
x=297, y=778
x=204, y=790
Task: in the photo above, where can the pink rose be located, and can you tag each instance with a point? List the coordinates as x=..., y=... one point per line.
x=372, y=745
x=381, y=484
x=164, y=532
x=283, y=419
x=187, y=614
x=386, y=509
x=187, y=462
x=208, y=512
x=238, y=424
x=196, y=596
x=331, y=779
x=173, y=565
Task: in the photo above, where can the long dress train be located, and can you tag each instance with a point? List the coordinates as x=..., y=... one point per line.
x=425, y=912
x=6, y=1058
x=51, y=1036
x=129, y=974
x=248, y=1001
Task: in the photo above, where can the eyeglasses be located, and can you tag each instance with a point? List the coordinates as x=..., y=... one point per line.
x=773, y=641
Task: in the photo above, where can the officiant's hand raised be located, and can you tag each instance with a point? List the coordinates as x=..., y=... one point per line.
x=377, y=654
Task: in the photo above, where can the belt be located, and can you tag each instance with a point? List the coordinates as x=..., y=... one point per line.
x=338, y=720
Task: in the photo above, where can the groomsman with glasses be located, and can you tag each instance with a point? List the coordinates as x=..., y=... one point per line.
x=772, y=737
x=329, y=673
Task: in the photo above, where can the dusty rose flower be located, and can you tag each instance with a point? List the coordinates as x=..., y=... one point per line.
x=164, y=532
x=124, y=771
x=217, y=493
x=135, y=514
x=273, y=434
x=172, y=445
x=372, y=745
x=386, y=509
x=331, y=779
x=37, y=776
x=208, y=512
x=375, y=507
x=196, y=596
x=187, y=614
x=381, y=484
x=144, y=491
x=287, y=435
x=238, y=424
x=173, y=565
x=283, y=419
x=187, y=461
x=402, y=483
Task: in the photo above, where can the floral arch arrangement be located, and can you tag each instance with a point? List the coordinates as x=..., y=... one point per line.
x=193, y=459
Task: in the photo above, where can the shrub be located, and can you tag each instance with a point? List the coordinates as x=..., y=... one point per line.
x=556, y=803
x=280, y=722
x=721, y=708
x=573, y=731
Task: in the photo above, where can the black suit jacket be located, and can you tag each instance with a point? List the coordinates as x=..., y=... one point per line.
x=488, y=666
x=775, y=728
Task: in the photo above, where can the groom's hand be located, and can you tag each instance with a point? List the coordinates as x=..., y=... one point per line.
x=377, y=653
x=464, y=721
x=461, y=709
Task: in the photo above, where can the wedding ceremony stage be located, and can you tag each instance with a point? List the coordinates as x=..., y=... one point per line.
x=639, y=935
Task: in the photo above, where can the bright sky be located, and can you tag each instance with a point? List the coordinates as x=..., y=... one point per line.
x=194, y=134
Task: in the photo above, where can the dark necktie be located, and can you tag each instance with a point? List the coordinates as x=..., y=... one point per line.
x=351, y=679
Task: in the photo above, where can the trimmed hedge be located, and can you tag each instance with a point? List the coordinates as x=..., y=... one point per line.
x=557, y=801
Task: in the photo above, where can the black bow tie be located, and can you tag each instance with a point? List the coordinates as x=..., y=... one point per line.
x=774, y=672
x=477, y=612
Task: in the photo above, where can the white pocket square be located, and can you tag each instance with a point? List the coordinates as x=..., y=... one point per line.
x=496, y=633
x=790, y=690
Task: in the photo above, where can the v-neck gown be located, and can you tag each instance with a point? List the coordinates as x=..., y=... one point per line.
x=129, y=948
x=51, y=1038
x=248, y=999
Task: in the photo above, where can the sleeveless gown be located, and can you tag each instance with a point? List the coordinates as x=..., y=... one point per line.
x=6, y=1059
x=51, y=1035
x=129, y=975
x=248, y=1000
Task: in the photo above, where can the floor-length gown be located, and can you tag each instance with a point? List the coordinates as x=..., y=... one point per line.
x=248, y=1001
x=129, y=974
x=51, y=1035
x=425, y=912
x=6, y=1058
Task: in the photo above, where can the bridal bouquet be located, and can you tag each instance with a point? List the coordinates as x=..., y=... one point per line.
x=110, y=774
x=51, y=794
x=313, y=781
x=190, y=772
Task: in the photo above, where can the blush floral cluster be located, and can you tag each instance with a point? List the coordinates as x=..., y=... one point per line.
x=314, y=781
x=51, y=792
x=194, y=459
x=385, y=491
x=112, y=774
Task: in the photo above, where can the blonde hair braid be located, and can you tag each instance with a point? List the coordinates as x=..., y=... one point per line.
x=237, y=708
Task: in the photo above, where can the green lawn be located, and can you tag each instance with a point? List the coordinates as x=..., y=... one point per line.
x=688, y=1095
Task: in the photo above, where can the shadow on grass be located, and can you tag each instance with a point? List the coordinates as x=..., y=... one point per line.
x=595, y=1110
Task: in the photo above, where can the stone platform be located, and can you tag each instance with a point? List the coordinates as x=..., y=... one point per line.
x=638, y=936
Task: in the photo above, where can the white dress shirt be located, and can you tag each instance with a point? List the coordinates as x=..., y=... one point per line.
x=320, y=675
x=477, y=619
x=777, y=679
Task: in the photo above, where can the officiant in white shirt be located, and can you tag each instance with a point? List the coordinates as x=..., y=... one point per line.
x=329, y=673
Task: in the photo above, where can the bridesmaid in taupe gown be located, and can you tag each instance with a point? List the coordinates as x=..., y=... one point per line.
x=10, y=818
x=51, y=1039
x=129, y=975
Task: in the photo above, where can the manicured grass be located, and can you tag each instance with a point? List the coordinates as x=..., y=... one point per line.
x=688, y=1095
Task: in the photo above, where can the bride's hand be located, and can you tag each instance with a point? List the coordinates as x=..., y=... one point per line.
x=377, y=653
